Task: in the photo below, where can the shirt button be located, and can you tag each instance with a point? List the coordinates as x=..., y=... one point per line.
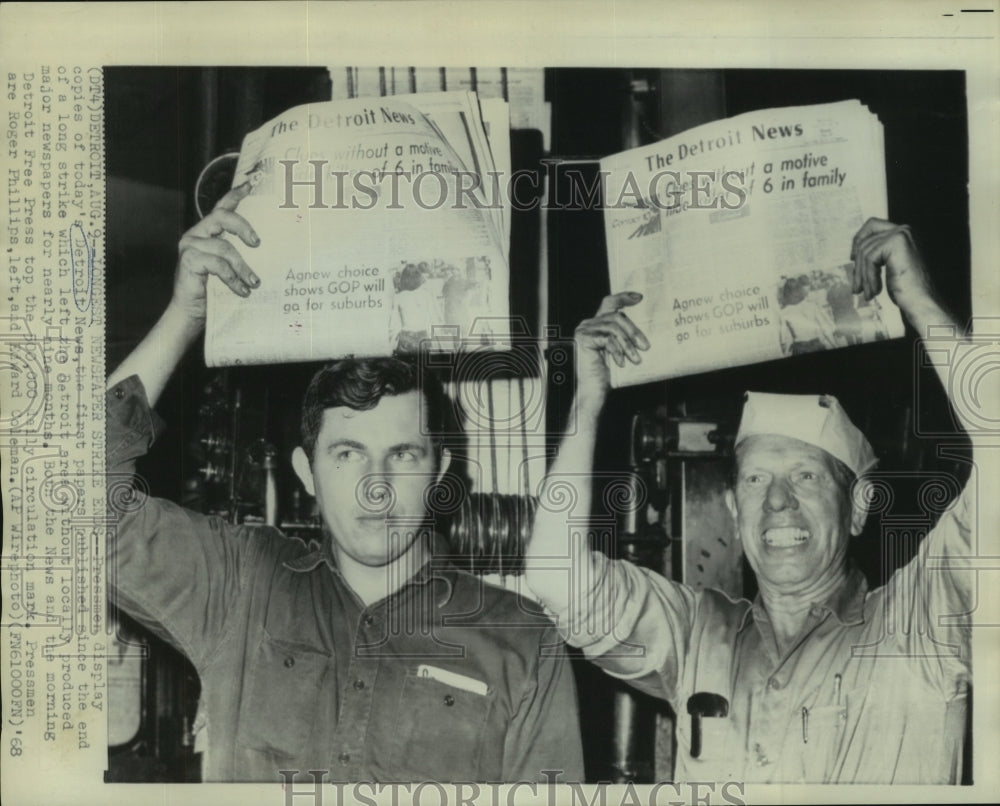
x=359, y=684
x=368, y=620
x=289, y=662
x=120, y=393
x=774, y=683
x=449, y=700
x=762, y=759
x=343, y=758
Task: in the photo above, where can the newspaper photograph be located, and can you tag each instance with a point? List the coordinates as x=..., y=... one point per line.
x=485, y=416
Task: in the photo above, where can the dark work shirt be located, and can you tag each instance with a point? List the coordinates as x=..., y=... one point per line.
x=448, y=679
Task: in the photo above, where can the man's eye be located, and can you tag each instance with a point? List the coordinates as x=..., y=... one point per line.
x=808, y=475
x=349, y=455
x=404, y=456
x=754, y=478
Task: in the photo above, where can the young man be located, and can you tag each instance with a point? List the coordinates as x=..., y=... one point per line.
x=362, y=656
x=808, y=683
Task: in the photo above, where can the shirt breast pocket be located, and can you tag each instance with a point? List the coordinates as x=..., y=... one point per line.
x=822, y=733
x=441, y=729
x=720, y=748
x=284, y=698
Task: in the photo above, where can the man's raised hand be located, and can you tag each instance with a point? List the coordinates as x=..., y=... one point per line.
x=611, y=333
x=202, y=252
x=881, y=243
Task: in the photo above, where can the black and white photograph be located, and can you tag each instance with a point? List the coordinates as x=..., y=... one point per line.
x=818, y=311
x=240, y=473
x=466, y=433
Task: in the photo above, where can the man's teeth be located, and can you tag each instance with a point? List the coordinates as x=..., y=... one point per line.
x=780, y=536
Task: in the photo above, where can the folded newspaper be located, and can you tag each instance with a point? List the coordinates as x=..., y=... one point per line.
x=738, y=234
x=381, y=228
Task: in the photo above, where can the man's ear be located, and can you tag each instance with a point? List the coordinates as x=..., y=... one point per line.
x=300, y=464
x=445, y=463
x=731, y=506
x=860, y=496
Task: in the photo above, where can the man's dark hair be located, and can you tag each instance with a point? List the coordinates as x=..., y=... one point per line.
x=360, y=383
x=410, y=278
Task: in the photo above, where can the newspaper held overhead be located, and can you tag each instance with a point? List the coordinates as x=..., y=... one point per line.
x=381, y=228
x=738, y=235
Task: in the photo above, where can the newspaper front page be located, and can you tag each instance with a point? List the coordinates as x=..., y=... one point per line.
x=737, y=241
x=344, y=197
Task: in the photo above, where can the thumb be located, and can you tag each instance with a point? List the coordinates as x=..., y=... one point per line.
x=615, y=302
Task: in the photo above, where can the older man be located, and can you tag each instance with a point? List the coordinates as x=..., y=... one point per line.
x=805, y=684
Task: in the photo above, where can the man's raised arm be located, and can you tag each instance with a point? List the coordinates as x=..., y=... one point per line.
x=881, y=243
x=940, y=574
x=556, y=554
x=201, y=253
x=176, y=572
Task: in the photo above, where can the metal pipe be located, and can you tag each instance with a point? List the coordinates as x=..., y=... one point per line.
x=623, y=767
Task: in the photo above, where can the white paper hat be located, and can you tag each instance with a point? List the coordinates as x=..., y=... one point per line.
x=816, y=419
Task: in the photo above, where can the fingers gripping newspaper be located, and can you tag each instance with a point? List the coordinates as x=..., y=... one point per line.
x=382, y=227
x=737, y=232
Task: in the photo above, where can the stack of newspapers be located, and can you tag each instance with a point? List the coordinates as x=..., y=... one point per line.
x=738, y=234
x=384, y=226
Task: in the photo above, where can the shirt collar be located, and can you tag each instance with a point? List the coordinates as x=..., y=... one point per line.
x=846, y=604
x=437, y=572
x=318, y=553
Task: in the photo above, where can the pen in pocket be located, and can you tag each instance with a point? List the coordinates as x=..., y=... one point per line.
x=805, y=725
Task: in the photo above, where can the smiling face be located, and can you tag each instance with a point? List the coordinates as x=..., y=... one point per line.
x=793, y=512
x=370, y=469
